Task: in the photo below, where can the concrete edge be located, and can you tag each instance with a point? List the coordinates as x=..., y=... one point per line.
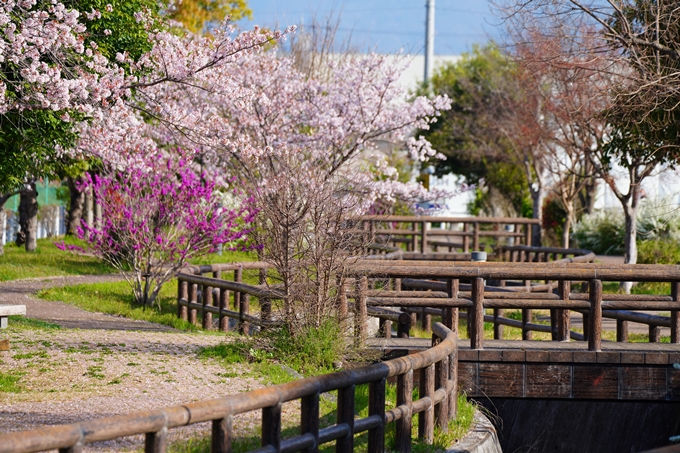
x=482, y=438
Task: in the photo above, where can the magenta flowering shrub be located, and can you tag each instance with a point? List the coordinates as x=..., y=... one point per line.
x=155, y=219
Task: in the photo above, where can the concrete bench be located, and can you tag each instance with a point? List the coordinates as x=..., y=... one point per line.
x=10, y=310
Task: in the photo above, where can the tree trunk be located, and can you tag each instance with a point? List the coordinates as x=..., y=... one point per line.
x=28, y=218
x=567, y=229
x=589, y=194
x=75, y=209
x=3, y=220
x=537, y=198
x=630, y=241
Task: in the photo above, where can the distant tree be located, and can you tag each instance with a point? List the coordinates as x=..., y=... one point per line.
x=196, y=15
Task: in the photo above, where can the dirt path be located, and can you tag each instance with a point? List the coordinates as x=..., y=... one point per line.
x=20, y=292
x=69, y=375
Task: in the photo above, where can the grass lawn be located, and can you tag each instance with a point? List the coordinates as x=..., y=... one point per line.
x=48, y=261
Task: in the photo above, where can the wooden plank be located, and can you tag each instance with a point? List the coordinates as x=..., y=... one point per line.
x=501, y=379
x=595, y=382
x=548, y=381
x=345, y=416
x=643, y=383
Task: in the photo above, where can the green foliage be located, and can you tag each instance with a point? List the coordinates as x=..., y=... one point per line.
x=466, y=134
x=27, y=145
x=659, y=251
x=311, y=351
x=602, y=232
x=126, y=33
x=48, y=261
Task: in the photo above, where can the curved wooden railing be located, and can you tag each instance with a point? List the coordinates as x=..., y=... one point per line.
x=436, y=405
x=416, y=232
x=593, y=305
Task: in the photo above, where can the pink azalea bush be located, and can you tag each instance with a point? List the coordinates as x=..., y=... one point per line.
x=154, y=220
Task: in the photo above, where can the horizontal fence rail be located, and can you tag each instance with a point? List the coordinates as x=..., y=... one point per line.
x=435, y=405
x=463, y=233
x=478, y=298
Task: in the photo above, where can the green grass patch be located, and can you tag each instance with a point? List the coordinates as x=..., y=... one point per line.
x=115, y=298
x=24, y=323
x=48, y=261
x=9, y=381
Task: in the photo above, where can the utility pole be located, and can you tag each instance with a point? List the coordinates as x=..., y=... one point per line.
x=429, y=39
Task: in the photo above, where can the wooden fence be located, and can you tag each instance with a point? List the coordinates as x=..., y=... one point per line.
x=436, y=405
x=416, y=232
x=594, y=305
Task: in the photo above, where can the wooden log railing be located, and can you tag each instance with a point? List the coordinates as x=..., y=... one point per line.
x=416, y=234
x=593, y=305
x=435, y=405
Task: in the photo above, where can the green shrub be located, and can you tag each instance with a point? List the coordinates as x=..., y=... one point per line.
x=602, y=232
x=659, y=251
x=313, y=350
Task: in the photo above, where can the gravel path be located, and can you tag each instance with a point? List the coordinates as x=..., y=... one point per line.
x=71, y=375
x=104, y=365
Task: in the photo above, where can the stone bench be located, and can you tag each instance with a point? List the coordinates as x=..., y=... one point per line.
x=10, y=310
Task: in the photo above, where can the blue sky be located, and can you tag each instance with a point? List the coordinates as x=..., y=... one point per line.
x=387, y=25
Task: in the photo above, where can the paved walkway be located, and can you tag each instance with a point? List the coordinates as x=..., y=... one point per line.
x=21, y=292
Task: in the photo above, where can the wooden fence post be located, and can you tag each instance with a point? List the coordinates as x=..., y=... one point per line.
x=476, y=314
x=376, y=406
x=562, y=316
x=343, y=310
x=361, y=317
x=654, y=334
x=475, y=238
x=404, y=425
x=526, y=319
x=224, y=305
x=423, y=237
x=466, y=238
x=156, y=442
x=404, y=325
x=193, y=297
x=345, y=415
x=182, y=294
x=221, y=435
x=426, y=417
x=309, y=420
x=207, y=302
x=244, y=309
x=271, y=427
x=451, y=318
x=238, y=277
x=621, y=331
x=595, y=336
x=675, y=314
x=441, y=378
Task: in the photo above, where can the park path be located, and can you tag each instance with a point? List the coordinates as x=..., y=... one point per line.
x=21, y=292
